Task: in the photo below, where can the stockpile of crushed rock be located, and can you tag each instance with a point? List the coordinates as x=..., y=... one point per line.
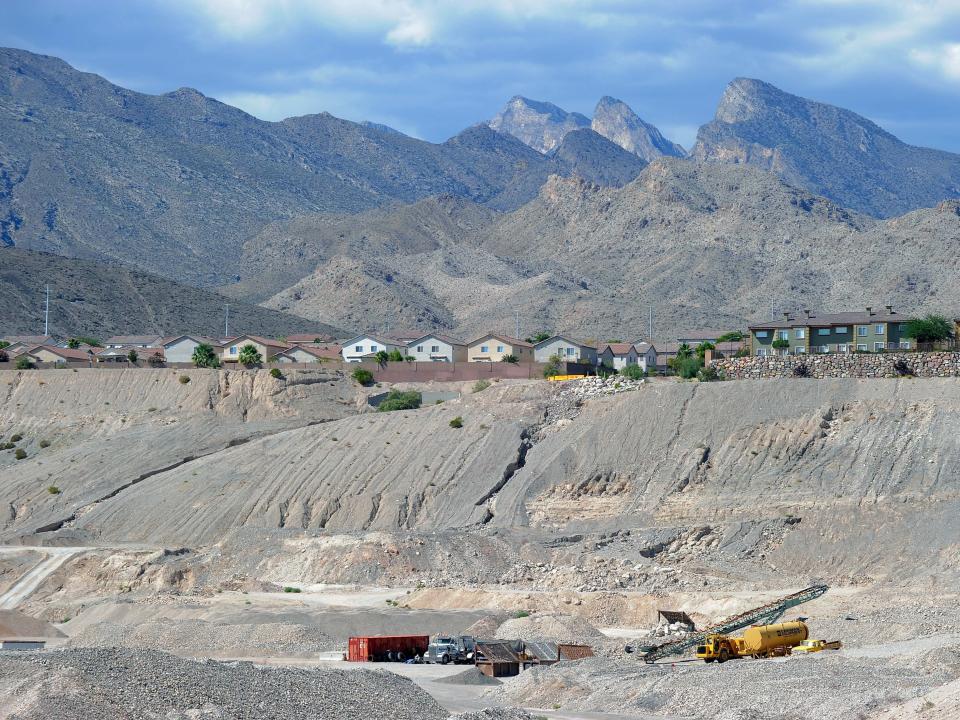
x=122, y=684
x=595, y=386
x=558, y=628
x=202, y=638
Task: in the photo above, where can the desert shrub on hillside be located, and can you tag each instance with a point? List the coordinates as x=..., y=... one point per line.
x=44, y=443
x=20, y=454
x=275, y=373
x=399, y=400
x=481, y=385
x=16, y=437
x=457, y=422
x=634, y=372
x=53, y=490
x=362, y=376
x=183, y=379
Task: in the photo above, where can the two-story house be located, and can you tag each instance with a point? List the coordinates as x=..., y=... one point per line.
x=566, y=349
x=810, y=332
x=265, y=346
x=493, y=348
x=437, y=348
x=366, y=346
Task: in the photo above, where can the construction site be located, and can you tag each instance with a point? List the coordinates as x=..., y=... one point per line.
x=229, y=544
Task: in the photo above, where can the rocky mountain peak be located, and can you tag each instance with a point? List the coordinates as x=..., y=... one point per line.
x=541, y=125
x=616, y=121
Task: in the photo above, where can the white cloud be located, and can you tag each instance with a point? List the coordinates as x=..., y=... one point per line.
x=944, y=59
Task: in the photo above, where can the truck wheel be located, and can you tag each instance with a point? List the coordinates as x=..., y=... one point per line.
x=445, y=659
x=708, y=659
x=724, y=655
x=401, y=657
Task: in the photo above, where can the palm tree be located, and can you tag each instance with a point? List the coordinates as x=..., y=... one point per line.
x=684, y=351
x=249, y=356
x=204, y=356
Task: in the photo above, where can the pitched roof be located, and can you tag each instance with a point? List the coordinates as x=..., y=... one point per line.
x=505, y=338
x=817, y=319
x=300, y=338
x=196, y=338
x=257, y=339
x=133, y=340
x=567, y=339
x=65, y=353
x=324, y=351
x=28, y=339
x=385, y=339
x=442, y=338
x=618, y=348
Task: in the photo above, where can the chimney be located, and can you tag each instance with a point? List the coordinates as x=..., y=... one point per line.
x=786, y=316
x=869, y=310
x=807, y=313
x=889, y=309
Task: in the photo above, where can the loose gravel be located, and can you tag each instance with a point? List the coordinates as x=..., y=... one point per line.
x=115, y=684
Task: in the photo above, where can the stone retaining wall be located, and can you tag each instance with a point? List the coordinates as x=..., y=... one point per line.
x=855, y=365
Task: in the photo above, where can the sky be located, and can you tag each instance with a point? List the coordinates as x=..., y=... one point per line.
x=431, y=68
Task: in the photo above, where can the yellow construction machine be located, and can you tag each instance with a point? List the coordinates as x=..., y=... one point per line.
x=757, y=641
x=812, y=646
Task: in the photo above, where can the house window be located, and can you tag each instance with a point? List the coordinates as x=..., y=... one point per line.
x=879, y=329
x=569, y=352
x=373, y=348
x=233, y=350
x=784, y=334
x=801, y=333
x=862, y=330
x=902, y=326
x=420, y=348
x=761, y=352
x=842, y=329
x=761, y=333
x=801, y=350
x=841, y=348
x=904, y=345
x=823, y=331
x=862, y=347
x=434, y=348
x=484, y=348
x=878, y=347
x=356, y=348
x=499, y=348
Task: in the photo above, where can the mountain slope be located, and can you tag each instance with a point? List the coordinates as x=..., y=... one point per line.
x=174, y=184
x=592, y=157
x=90, y=298
x=827, y=150
x=616, y=121
x=710, y=245
x=541, y=125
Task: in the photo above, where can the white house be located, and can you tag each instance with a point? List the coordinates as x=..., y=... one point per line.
x=618, y=355
x=180, y=349
x=363, y=346
x=566, y=349
x=437, y=348
x=646, y=355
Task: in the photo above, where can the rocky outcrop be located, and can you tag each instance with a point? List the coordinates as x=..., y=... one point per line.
x=615, y=120
x=837, y=365
x=541, y=125
x=825, y=149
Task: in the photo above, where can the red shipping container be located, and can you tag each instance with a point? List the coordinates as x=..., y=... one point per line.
x=386, y=648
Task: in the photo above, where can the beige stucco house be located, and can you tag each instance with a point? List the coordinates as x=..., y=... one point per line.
x=493, y=348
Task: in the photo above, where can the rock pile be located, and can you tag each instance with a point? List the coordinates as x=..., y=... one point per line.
x=117, y=684
x=671, y=630
x=596, y=386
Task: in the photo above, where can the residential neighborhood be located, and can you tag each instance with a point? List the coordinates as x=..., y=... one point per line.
x=799, y=333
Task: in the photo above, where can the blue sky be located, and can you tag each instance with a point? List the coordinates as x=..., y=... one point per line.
x=432, y=67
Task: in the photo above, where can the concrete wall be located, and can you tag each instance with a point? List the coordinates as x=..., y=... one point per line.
x=842, y=365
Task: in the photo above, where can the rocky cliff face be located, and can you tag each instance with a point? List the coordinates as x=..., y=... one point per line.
x=827, y=150
x=615, y=120
x=541, y=125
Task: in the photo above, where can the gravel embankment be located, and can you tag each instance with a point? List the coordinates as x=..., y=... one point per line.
x=118, y=684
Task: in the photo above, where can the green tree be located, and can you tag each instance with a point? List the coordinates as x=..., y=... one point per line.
x=932, y=328
x=132, y=356
x=249, y=356
x=398, y=400
x=539, y=337
x=73, y=343
x=552, y=368
x=395, y=356
x=204, y=356
x=780, y=344
x=510, y=358
x=687, y=367
x=23, y=363
x=382, y=357
x=362, y=376
x=703, y=347
x=684, y=352
x=634, y=372
x=732, y=336
x=4, y=344
x=709, y=374
x=86, y=340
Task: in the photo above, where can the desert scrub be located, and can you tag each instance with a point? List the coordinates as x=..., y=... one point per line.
x=481, y=385
x=20, y=454
x=53, y=490
x=363, y=376
x=44, y=443
x=289, y=589
x=16, y=437
x=183, y=379
x=275, y=373
x=457, y=422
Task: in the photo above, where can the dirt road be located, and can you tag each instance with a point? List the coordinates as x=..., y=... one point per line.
x=53, y=558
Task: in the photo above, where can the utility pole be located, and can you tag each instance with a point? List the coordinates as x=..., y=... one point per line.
x=226, y=323
x=650, y=326
x=518, y=324
x=46, y=315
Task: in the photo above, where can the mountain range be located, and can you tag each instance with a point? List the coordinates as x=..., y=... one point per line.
x=580, y=224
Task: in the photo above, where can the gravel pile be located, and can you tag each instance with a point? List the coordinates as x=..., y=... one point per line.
x=596, y=386
x=118, y=684
x=495, y=714
x=201, y=638
x=559, y=628
x=470, y=676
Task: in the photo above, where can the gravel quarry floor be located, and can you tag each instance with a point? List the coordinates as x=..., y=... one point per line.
x=555, y=512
